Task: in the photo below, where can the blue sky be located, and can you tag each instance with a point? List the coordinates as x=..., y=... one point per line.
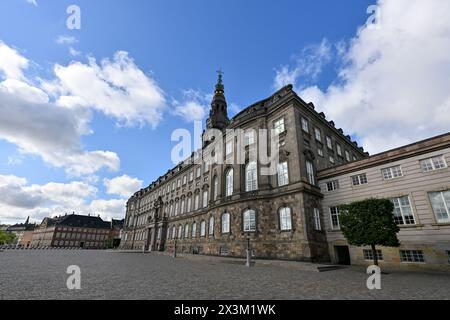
x=173, y=49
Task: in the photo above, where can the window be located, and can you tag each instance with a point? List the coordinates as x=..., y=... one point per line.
x=171, y=210
x=249, y=138
x=317, y=134
x=331, y=160
x=180, y=231
x=202, y=228
x=229, y=148
x=191, y=175
x=359, y=179
x=184, y=179
x=189, y=204
x=198, y=172
x=226, y=223
x=333, y=185
x=176, y=208
x=347, y=156
x=205, y=198
x=432, y=164
x=249, y=222
x=285, y=219
x=197, y=202
x=317, y=224
x=278, y=126
x=205, y=167
x=178, y=183
x=329, y=144
x=183, y=207
x=305, y=125
x=251, y=177
x=440, y=201
x=411, y=256
x=335, y=224
x=310, y=172
x=403, y=214
x=173, y=186
x=283, y=175
x=354, y=158
x=320, y=152
x=216, y=188
x=186, y=231
x=368, y=254
x=229, y=183
x=194, y=230
x=392, y=172
x=339, y=149
x=211, y=226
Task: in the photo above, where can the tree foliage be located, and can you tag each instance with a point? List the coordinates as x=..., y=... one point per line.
x=369, y=223
x=7, y=238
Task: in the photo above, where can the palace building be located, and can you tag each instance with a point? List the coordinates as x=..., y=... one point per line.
x=213, y=208
x=218, y=207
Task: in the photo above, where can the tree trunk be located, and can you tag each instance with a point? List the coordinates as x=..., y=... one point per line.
x=375, y=255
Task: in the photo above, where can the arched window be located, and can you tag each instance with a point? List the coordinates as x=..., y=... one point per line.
x=211, y=226
x=203, y=228
x=249, y=222
x=186, y=231
x=189, y=204
x=251, y=176
x=194, y=230
x=174, y=232
x=205, y=198
x=229, y=183
x=176, y=207
x=216, y=188
x=285, y=219
x=183, y=206
x=180, y=231
x=197, y=201
x=226, y=223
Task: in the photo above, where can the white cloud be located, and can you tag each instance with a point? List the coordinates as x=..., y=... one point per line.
x=49, y=131
x=64, y=39
x=124, y=186
x=12, y=63
x=309, y=63
x=21, y=199
x=193, y=105
x=394, y=85
x=74, y=52
x=33, y=2
x=118, y=88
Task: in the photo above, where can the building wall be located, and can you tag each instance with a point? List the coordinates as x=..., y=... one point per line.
x=427, y=234
x=71, y=237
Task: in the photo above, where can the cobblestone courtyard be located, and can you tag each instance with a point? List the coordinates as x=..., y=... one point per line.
x=109, y=275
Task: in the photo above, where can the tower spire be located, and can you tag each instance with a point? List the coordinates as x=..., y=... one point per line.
x=218, y=116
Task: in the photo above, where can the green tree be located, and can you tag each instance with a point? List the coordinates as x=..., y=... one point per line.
x=7, y=238
x=369, y=223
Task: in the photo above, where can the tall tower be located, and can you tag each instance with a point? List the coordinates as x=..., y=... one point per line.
x=218, y=116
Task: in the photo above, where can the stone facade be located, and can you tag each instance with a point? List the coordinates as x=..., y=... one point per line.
x=276, y=213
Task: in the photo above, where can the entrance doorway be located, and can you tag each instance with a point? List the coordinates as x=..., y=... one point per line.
x=342, y=255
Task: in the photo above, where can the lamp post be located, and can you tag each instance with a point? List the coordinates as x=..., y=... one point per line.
x=249, y=257
x=175, y=249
